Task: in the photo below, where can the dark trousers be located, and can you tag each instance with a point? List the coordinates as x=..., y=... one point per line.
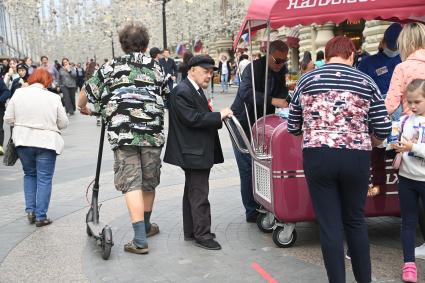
x=170, y=84
x=2, y=110
x=245, y=173
x=80, y=83
x=410, y=191
x=379, y=175
x=338, y=191
x=196, y=207
x=69, y=98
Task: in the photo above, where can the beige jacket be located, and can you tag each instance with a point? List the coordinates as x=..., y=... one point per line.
x=37, y=116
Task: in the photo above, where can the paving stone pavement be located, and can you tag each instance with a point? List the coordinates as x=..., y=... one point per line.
x=62, y=252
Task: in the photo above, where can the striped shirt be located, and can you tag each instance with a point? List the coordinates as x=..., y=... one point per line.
x=338, y=106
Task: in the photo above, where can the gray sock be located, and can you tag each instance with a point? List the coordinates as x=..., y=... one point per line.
x=148, y=220
x=140, y=234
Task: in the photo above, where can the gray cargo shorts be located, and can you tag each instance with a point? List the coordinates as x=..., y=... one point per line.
x=137, y=168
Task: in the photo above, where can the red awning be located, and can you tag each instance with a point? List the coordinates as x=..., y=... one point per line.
x=305, y=12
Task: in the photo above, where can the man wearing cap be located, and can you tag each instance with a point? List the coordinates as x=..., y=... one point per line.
x=194, y=145
x=380, y=68
x=155, y=54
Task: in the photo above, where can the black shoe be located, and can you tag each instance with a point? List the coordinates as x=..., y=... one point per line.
x=31, y=217
x=252, y=218
x=209, y=244
x=154, y=229
x=192, y=238
x=43, y=222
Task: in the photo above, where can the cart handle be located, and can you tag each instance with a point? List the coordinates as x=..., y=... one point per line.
x=233, y=135
x=245, y=139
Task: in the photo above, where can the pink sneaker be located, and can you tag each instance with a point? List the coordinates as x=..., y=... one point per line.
x=409, y=272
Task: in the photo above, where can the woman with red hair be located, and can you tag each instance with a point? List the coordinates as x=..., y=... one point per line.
x=37, y=116
x=339, y=110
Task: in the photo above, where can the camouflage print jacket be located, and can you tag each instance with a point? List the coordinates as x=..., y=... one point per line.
x=130, y=92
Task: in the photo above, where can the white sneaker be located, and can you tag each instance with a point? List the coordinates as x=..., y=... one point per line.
x=420, y=252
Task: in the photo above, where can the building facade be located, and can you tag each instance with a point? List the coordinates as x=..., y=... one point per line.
x=365, y=35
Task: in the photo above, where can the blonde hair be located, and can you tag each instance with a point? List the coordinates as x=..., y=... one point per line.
x=411, y=38
x=416, y=84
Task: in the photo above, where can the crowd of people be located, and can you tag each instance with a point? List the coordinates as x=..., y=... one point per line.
x=340, y=106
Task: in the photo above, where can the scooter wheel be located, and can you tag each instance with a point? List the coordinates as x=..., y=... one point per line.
x=89, y=233
x=264, y=222
x=106, y=242
x=283, y=241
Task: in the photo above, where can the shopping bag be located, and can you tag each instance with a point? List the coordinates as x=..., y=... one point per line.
x=10, y=154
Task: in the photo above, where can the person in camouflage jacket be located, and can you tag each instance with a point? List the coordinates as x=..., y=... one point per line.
x=130, y=92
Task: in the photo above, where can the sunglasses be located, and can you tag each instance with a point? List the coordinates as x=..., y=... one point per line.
x=279, y=61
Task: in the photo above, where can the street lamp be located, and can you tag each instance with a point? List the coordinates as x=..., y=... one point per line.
x=164, y=24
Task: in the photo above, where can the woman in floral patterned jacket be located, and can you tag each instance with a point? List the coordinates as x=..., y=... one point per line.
x=340, y=112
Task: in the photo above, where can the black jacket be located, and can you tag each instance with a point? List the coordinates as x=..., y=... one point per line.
x=169, y=66
x=5, y=93
x=16, y=83
x=276, y=89
x=193, y=141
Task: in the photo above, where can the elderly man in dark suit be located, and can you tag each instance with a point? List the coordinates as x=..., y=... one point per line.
x=194, y=145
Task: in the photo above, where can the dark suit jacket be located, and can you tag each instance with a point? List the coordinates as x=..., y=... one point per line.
x=169, y=66
x=193, y=141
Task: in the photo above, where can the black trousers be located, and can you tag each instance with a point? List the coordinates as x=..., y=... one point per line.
x=69, y=98
x=196, y=206
x=338, y=191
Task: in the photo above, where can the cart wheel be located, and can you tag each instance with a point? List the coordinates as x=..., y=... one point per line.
x=106, y=242
x=264, y=223
x=89, y=233
x=283, y=241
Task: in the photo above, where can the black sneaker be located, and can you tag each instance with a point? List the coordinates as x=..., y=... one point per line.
x=31, y=217
x=153, y=230
x=43, y=222
x=209, y=244
x=252, y=218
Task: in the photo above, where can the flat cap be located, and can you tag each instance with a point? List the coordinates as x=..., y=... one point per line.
x=154, y=52
x=203, y=61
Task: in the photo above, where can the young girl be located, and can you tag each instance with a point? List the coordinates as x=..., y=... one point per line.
x=412, y=172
